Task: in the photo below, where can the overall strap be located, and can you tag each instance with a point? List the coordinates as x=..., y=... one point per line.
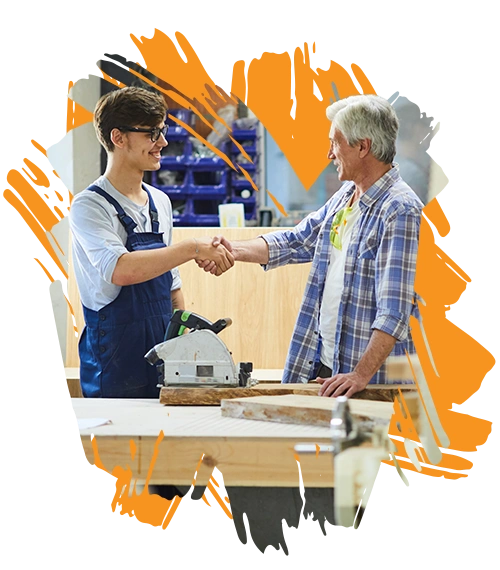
x=126, y=221
x=153, y=212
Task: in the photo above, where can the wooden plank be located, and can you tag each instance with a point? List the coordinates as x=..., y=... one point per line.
x=304, y=410
x=205, y=396
x=269, y=384
x=245, y=462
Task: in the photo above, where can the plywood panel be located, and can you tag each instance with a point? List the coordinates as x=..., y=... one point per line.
x=262, y=305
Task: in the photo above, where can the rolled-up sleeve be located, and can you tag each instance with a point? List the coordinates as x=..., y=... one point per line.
x=395, y=267
x=296, y=245
x=176, y=279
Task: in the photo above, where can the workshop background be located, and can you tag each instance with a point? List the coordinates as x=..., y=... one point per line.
x=196, y=190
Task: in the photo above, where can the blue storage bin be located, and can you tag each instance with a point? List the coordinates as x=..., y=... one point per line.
x=244, y=134
x=240, y=182
x=208, y=163
x=185, y=115
x=237, y=190
x=178, y=151
x=239, y=159
x=202, y=221
x=249, y=149
x=207, y=182
x=171, y=179
x=247, y=138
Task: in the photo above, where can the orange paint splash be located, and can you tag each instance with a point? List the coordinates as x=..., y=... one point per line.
x=197, y=469
x=35, y=211
x=301, y=136
x=278, y=204
x=302, y=139
x=39, y=147
x=247, y=177
x=45, y=270
x=440, y=282
x=147, y=508
x=222, y=502
x=76, y=114
x=204, y=141
x=241, y=149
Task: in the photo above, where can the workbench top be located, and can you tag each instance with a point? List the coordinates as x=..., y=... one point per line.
x=247, y=452
x=146, y=418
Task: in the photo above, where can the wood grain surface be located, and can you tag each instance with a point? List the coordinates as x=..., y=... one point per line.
x=247, y=453
x=303, y=410
x=205, y=396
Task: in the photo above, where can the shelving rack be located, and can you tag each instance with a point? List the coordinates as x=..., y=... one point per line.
x=198, y=185
x=241, y=190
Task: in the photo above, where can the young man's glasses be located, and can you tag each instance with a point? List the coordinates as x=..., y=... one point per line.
x=154, y=133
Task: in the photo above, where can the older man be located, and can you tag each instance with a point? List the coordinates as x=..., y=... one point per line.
x=363, y=247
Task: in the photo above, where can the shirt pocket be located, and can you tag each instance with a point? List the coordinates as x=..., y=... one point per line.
x=368, y=249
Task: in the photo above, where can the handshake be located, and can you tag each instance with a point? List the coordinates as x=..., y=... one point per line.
x=214, y=255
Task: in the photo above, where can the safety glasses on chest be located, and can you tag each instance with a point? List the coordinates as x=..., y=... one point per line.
x=154, y=132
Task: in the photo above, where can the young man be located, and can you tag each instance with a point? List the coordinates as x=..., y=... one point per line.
x=124, y=260
x=363, y=247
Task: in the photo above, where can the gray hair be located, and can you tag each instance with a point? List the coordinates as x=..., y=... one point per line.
x=367, y=117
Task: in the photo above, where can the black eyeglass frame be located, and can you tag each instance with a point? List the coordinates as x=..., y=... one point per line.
x=154, y=133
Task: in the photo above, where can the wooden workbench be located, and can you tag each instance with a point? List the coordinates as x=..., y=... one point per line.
x=248, y=453
x=193, y=441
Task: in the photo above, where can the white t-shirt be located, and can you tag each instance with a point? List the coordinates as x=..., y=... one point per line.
x=99, y=239
x=342, y=226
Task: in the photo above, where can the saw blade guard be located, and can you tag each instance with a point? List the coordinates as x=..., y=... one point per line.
x=199, y=358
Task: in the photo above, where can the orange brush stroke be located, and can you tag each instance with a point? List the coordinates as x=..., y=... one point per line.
x=76, y=114
x=22, y=194
x=440, y=282
x=204, y=141
x=45, y=270
x=199, y=462
x=213, y=488
x=111, y=80
x=241, y=149
x=39, y=147
x=147, y=508
x=277, y=204
x=248, y=178
x=302, y=139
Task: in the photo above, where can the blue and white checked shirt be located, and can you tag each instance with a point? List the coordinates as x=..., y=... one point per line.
x=378, y=282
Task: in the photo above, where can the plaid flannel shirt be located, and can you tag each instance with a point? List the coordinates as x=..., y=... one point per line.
x=378, y=282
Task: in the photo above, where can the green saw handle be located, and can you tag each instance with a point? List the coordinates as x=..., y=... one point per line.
x=182, y=320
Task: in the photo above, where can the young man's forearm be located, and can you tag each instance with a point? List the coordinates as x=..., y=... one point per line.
x=140, y=266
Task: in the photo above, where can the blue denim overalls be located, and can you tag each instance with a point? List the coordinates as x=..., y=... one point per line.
x=116, y=338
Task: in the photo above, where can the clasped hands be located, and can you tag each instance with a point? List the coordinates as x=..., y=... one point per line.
x=215, y=255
